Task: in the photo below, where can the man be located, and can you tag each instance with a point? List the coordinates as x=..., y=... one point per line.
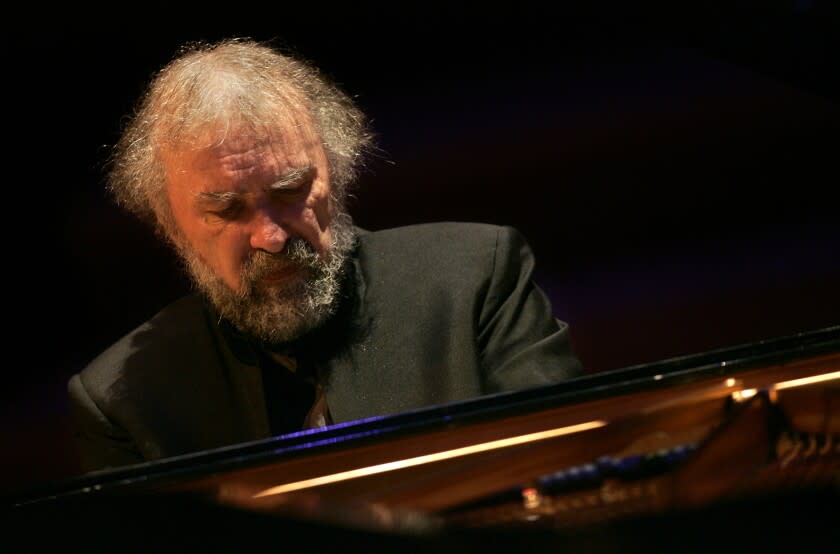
x=240, y=157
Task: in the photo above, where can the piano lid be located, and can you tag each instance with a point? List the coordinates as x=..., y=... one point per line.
x=710, y=429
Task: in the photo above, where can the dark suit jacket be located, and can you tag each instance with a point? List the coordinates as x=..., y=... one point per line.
x=441, y=312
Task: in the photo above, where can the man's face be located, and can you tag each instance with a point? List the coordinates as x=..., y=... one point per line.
x=258, y=231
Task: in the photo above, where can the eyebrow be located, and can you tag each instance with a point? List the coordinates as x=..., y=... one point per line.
x=290, y=179
x=293, y=177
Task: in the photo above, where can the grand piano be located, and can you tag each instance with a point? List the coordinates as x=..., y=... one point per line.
x=731, y=449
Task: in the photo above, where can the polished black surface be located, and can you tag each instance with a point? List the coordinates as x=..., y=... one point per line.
x=800, y=520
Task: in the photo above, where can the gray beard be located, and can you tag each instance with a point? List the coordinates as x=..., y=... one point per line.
x=287, y=311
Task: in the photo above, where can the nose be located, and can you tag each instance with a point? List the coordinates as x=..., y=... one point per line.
x=268, y=234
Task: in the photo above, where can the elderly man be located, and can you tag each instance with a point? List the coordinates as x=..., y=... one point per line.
x=240, y=157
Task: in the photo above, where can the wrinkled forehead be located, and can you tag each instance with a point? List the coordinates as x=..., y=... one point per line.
x=233, y=146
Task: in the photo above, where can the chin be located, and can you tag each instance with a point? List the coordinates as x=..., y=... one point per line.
x=284, y=323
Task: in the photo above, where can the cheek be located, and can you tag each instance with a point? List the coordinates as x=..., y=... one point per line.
x=321, y=205
x=229, y=251
x=223, y=251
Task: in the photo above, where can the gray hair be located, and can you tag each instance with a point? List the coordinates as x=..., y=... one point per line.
x=230, y=85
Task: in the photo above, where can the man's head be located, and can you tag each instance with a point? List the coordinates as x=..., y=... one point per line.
x=241, y=157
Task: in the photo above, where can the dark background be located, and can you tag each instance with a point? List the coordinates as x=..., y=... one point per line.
x=674, y=169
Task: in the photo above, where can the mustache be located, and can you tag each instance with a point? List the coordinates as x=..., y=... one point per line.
x=297, y=252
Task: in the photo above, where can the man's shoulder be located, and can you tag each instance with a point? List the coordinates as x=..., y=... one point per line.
x=153, y=344
x=438, y=254
x=443, y=234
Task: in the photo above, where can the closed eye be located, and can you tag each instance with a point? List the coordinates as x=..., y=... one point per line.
x=228, y=211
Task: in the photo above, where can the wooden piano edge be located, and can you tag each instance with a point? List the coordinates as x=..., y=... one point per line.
x=679, y=410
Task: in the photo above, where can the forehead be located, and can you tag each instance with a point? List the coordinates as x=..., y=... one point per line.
x=219, y=160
